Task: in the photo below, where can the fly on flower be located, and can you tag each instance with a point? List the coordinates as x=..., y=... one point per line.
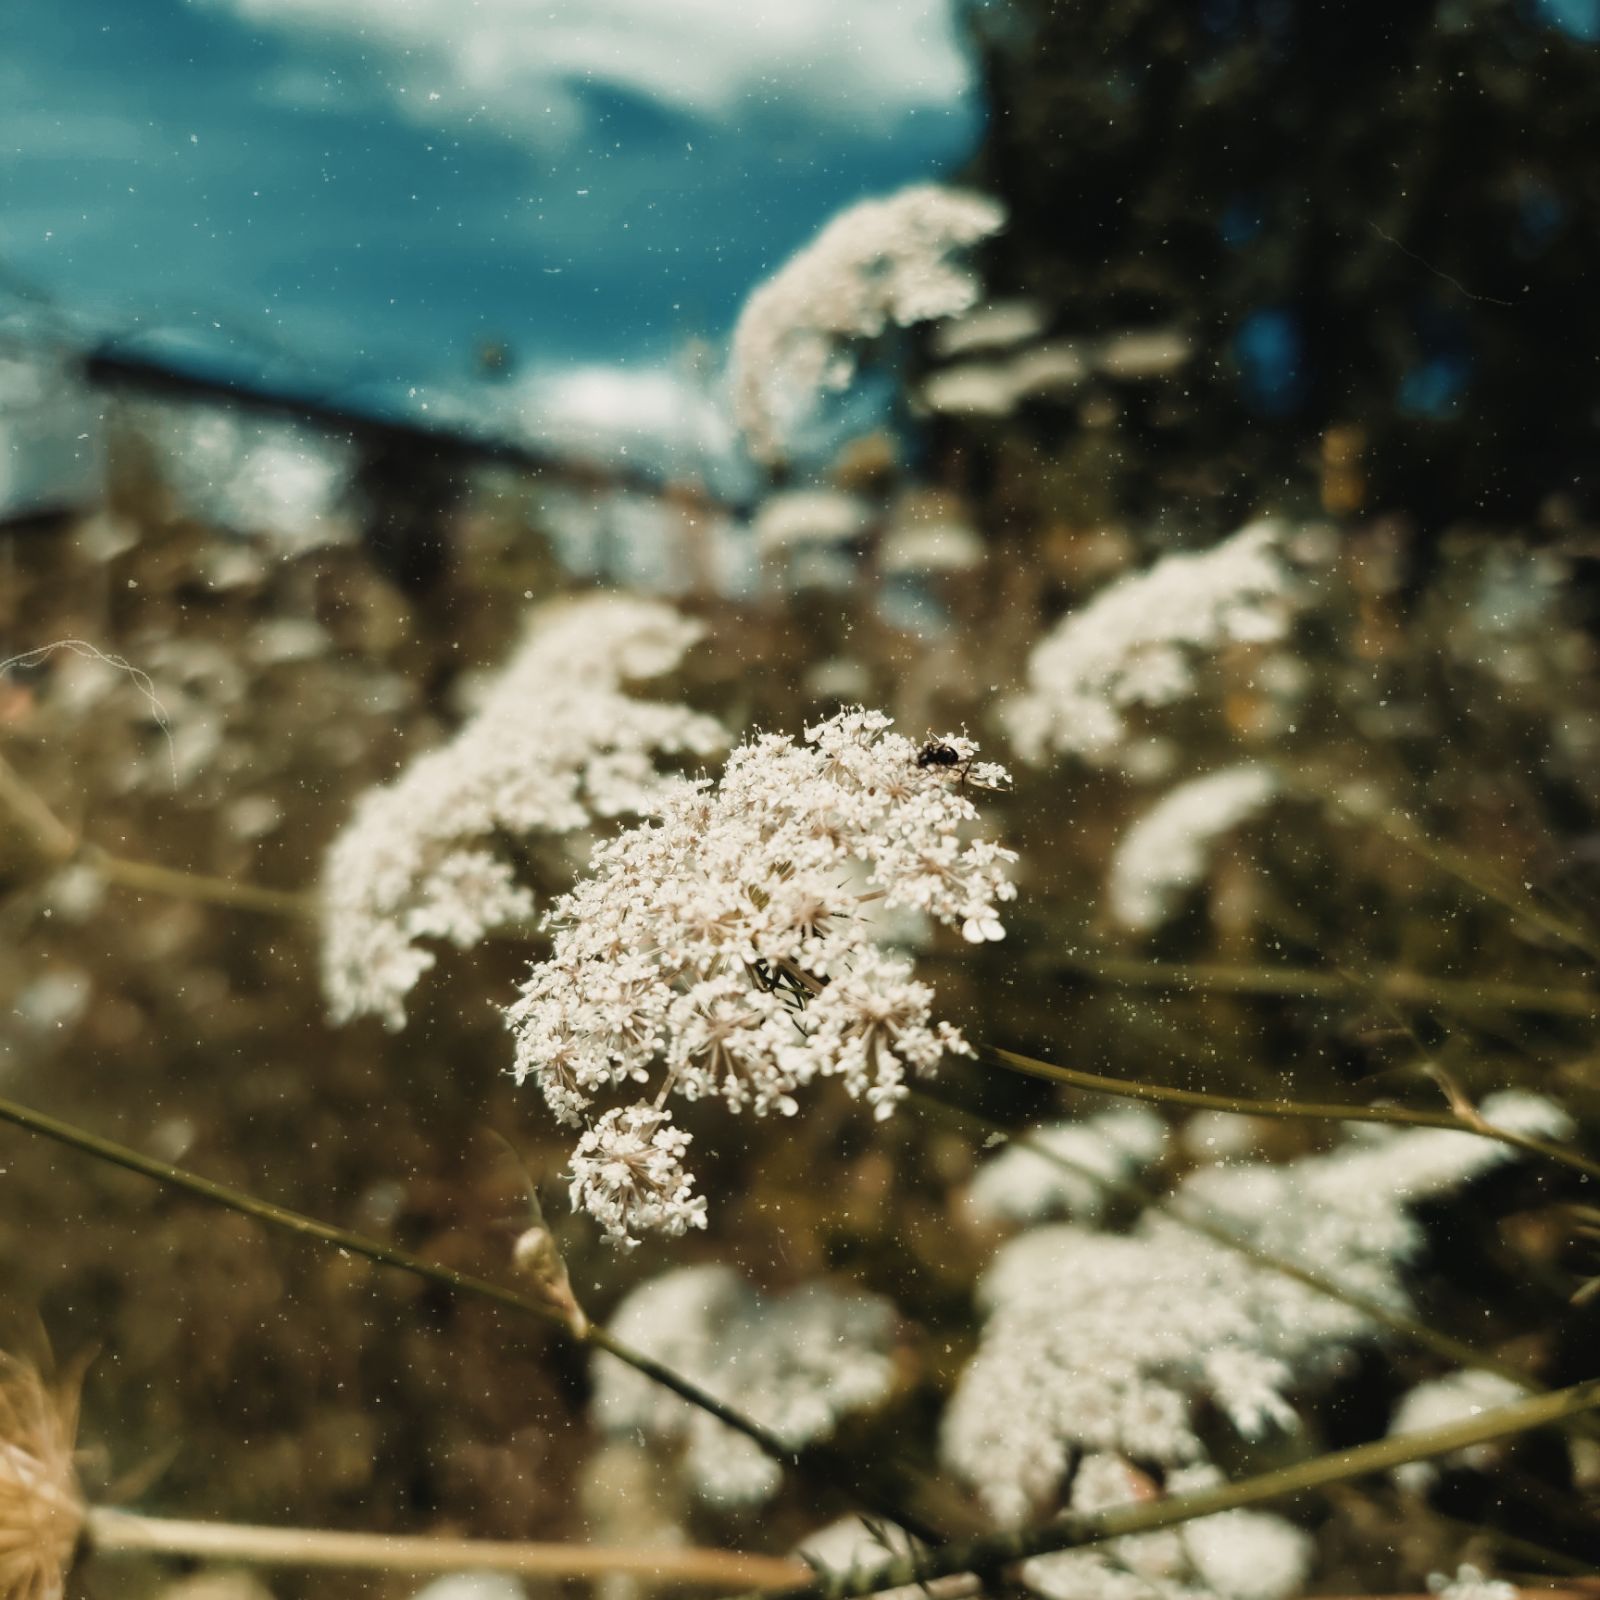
x=934, y=754
x=958, y=755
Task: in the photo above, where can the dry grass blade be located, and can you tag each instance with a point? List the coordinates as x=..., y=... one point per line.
x=41, y=1509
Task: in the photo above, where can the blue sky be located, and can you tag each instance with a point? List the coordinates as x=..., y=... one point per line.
x=358, y=193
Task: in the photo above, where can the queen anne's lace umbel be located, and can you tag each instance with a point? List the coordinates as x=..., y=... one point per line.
x=721, y=951
x=796, y=1363
x=1115, y=1343
x=555, y=744
x=1168, y=851
x=881, y=262
x=1075, y=1179
x=1134, y=643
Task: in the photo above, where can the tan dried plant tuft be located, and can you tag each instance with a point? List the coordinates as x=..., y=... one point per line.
x=41, y=1507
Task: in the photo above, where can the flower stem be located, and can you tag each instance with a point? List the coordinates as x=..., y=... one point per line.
x=1458, y=865
x=57, y=845
x=50, y=837
x=1240, y=1105
x=111, y=1532
x=1449, y=994
x=145, y=877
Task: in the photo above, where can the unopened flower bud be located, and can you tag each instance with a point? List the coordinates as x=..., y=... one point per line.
x=537, y=1257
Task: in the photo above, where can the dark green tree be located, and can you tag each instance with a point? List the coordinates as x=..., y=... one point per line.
x=1374, y=216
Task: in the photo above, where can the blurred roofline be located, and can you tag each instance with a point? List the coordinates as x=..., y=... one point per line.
x=105, y=368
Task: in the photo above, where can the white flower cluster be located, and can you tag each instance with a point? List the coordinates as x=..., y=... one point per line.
x=721, y=951
x=1104, y=1343
x=809, y=516
x=879, y=263
x=555, y=744
x=1023, y=1185
x=795, y=1363
x=1470, y=1583
x=853, y=1545
x=1167, y=852
x=1133, y=644
x=1234, y=1555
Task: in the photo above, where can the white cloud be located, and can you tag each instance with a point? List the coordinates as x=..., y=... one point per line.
x=652, y=416
x=519, y=62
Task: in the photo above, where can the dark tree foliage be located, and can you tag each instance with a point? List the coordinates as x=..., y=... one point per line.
x=1376, y=217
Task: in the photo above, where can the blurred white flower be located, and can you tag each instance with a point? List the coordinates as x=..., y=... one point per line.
x=1249, y=1555
x=54, y=1002
x=1234, y=1555
x=880, y=263
x=999, y=325
x=1456, y=1397
x=933, y=549
x=809, y=516
x=853, y=1545
x=1024, y=1185
x=1133, y=643
x=1167, y=852
x=795, y=1363
x=995, y=388
x=1222, y=1135
x=76, y=892
x=720, y=950
x=470, y=1586
x=555, y=744
x=1100, y=1342
x=1469, y=1583
x=1144, y=353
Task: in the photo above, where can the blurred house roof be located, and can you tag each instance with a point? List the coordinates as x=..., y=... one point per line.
x=53, y=412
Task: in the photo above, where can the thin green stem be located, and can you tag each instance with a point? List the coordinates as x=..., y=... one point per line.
x=1077, y=1529
x=56, y=845
x=52, y=839
x=1523, y=1549
x=1307, y=983
x=143, y=877
x=1463, y=869
x=1241, y=1105
x=459, y=1283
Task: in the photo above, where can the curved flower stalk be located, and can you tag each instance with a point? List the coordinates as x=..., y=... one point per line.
x=555, y=744
x=723, y=951
x=796, y=1362
x=1111, y=1343
x=881, y=262
x=1134, y=643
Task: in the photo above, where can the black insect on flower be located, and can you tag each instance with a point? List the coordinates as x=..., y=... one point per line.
x=940, y=755
x=936, y=754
